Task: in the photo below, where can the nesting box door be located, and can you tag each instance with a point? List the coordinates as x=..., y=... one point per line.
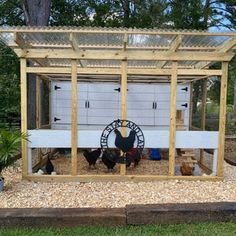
x=61, y=104
x=103, y=103
x=140, y=104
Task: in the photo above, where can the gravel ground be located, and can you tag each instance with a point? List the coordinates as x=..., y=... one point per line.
x=24, y=194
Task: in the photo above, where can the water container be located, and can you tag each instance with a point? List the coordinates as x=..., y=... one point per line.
x=155, y=154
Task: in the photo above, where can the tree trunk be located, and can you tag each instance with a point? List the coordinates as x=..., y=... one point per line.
x=37, y=13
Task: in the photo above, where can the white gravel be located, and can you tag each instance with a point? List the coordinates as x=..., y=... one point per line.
x=23, y=194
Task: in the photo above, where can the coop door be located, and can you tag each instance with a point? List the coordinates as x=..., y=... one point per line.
x=61, y=104
x=103, y=107
x=140, y=104
x=162, y=100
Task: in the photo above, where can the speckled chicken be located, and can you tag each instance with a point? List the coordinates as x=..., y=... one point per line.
x=92, y=156
x=124, y=143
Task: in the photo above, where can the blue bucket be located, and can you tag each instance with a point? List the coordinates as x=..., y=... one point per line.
x=155, y=154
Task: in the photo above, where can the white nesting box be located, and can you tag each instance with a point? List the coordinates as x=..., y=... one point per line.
x=148, y=105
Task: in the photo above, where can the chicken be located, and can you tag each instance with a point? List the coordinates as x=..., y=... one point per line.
x=92, y=156
x=49, y=166
x=110, y=158
x=124, y=143
x=133, y=155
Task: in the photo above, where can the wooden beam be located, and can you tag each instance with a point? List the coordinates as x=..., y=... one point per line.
x=38, y=102
x=116, y=71
x=20, y=41
x=203, y=113
x=74, y=134
x=117, y=178
x=121, y=55
x=74, y=45
x=173, y=92
x=190, y=105
x=173, y=48
x=123, y=112
x=24, y=145
x=227, y=46
x=222, y=119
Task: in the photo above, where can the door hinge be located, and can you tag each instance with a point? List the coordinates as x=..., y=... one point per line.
x=56, y=119
x=185, y=89
x=56, y=87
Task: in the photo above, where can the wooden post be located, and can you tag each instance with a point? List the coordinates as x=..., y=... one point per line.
x=222, y=119
x=172, y=130
x=123, y=104
x=203, y=113
x=191, y=106
x=38, y=112
x=74, y=135
x=24, y=145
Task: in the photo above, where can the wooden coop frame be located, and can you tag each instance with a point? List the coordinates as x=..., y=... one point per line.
x=140, y=55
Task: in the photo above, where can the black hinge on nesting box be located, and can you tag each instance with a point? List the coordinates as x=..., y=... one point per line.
x=185, y=89
x=57, y=87
x=56, y=119
x=118, y=89
x=184, y=105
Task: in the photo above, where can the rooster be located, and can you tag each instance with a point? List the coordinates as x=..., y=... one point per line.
x=92, y=156
x=109, y=158
x=133, y=155
x=124, y=143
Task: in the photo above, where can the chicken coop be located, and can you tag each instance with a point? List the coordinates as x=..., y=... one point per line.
x=87, y=78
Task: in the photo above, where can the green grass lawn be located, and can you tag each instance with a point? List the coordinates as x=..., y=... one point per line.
x=221, y=229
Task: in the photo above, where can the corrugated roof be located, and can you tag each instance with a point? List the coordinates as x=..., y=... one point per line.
x=121, y=39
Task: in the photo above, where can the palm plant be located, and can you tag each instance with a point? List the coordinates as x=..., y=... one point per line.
x=10, y=144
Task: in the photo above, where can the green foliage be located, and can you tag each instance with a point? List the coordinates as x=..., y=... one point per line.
x=10, y=143
x=9, y=81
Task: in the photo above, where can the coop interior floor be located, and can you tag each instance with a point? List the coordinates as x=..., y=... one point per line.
x=62, y=165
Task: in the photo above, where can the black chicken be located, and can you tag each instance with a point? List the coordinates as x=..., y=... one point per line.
x=133, y=155
x=109, y=158
x=49, y=166
x=92, y=156
x=124, y=143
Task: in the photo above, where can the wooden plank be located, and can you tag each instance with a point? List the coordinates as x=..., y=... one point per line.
x=58, y=218
x=190, y=105
x=117, y=178
x=74, y=132
x=123, y=112
x=24, y=145
x=172, y=135
x=203, y=112
x=227, y=46
x=181, y=213
x=153, y=139
x=173, y=48
x=123, y=55
x=38, y=111
x=222, y=119
x=116, y=71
